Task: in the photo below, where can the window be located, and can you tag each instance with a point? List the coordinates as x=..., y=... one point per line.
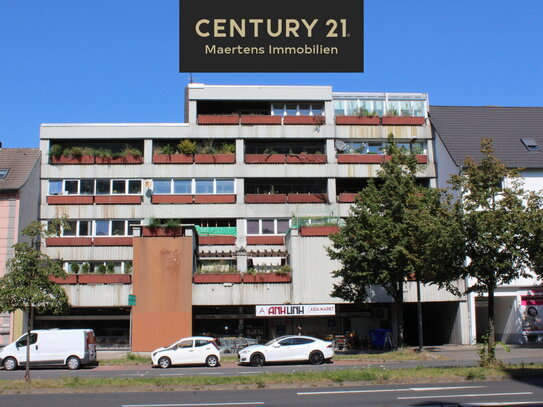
x=253, y=227
x=131, y=224
x=118, y=227
x=302, y=341
x=101, y=228
x=85, y=228
x=204, y=186
x=194, y=186
x=87, y=187
x=4, y=173
x=94, y=187
x=381, y=107
x=182, y=186
x=102, y=187
x=282, y=226
x=162, y=187
x=55, y=187
x=297, y=109
x=225, y=186
x=71, y=187
x=118, y=186
x=134, y=186
x=200, y=343
x=530, y=144
x=185, y=344
x=267, y=226
x=287, y=342
x=70, y=229
x=22, y=342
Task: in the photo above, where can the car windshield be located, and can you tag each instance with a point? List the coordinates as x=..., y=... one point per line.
x=276, y=339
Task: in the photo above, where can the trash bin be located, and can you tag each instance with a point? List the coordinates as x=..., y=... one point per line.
x=377, y=337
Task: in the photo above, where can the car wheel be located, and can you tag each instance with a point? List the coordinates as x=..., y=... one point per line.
x=164, y=362
x=316, y=358
x=257, y=359
x=73, y=363
x=212, y=361
x=10, y=364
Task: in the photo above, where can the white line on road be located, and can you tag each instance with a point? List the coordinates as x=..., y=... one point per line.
x=215, y=373
x=466, y=395
x=504, y=403
x=250, y=403
x=311, y=393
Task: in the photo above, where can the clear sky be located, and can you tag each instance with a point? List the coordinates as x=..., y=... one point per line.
x=79, y=61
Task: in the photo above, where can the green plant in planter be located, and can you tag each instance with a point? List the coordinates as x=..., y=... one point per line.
x=392, y=113
x=172, y=223
x=154, y=223
x=74, y=268
x=102, y=269
x=187, y=147
x=227, y=148
x=85, y=268
x=102, y=152
x=55, y=150
x=128, y=268
x=130, y=151
x=110, y=268
x=74, y=151
x=285, y=269
x=207, y=147
x=167, y=149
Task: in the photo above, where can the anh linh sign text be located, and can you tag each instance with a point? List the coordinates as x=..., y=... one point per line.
x=295, y=310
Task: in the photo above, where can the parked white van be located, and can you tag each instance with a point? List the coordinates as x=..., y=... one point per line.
x=69, y=347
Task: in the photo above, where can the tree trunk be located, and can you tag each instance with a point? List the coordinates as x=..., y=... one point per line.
x=419, y=316
x=399, y=315
x=491, y=345
x=28, y=329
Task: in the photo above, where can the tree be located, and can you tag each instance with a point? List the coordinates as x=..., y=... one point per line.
x=26, y=286
x=494, y=220
x=392, y=235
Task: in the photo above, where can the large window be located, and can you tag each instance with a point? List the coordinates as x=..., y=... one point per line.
x=102, y=227
x=379, y=147
x=297, y=109
x=95, y=187
x=267, y=226
x=194, y=186
x=380, y=107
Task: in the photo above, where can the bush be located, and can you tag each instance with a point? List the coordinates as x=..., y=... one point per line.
x=55, y=150
x=74, y=268
x=130, y=151
x=102, y=269
x=102, y=152
x=167, y=149
x=187, y=147
x=85, y=268
x=227, y=148
x=110, y=268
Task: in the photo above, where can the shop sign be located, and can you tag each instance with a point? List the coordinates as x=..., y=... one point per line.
x=531, y=308
x=302, y=310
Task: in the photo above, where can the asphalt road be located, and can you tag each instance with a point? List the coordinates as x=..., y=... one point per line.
x=502, y=393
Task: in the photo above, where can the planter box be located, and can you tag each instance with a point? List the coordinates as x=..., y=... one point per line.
x=214, y=199
x=307, y=198
x=113, y=241
x=173, y=158
x=306, y=158
x=265, y=198
x=70, y=279
x=117, y=200
x=70, y=200
x=360, y=158
x=104, y=278
x=261, y=119
x=267, y=278
x=347, y=197
x=147, y=231
x=358, y=120
x=422, y=159
x=216, y=240
x=403, y=121
x=257, y=240
x=215, y=158
x=217, y=278
x=68, y=241
x=218, y=119
x=265, y=158
x=66, y=159
x=312, y=120
x=129, y=159
x=318, y=230
x=172, y=199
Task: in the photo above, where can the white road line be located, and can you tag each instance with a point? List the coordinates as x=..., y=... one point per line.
x=466, y=395
x=215, y=373
x=172, y=374
x=311, y=393
x=250, y=403
x=504, y=403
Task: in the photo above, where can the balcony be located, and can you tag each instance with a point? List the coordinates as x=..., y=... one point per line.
x=103, y=152
x=293, y=190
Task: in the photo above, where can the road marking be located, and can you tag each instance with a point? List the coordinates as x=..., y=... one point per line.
x=504, y=403
x=467, y=395
x=135, y=374
x=172, y=374
x=215, y=373
x=250, y=403
x=311, y=393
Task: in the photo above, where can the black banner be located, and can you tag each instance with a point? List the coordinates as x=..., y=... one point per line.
x=274, y=36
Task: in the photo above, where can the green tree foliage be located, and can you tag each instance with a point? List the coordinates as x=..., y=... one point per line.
x=26, y=286
x=397, y=231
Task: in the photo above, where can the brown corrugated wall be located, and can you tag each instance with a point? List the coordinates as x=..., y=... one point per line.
x=162, y=278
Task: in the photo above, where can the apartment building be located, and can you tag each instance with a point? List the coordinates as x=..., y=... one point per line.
x=219, y=225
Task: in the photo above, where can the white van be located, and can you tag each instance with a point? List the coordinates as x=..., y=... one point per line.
x=69, y=347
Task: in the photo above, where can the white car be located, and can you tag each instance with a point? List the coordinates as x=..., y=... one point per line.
x=194, y=350
x=288, y=349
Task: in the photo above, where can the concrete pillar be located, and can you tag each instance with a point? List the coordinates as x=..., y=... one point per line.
x=240, y=151
x=148, y=151
x=241, y=240
x=332, y=195
x=331, y=156
x=193, y=114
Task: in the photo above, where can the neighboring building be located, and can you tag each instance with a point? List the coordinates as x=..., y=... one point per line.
x=19, y=205
x=291, y=159
x=517, y=133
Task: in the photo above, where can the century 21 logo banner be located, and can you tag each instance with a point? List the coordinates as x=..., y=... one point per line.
x=275, y=36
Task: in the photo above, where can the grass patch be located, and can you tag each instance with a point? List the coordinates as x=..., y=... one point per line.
x=359, y=375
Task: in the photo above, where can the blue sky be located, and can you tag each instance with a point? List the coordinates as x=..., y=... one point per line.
x=117, y=60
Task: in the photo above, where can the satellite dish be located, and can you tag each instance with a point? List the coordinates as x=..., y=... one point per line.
x=340, y=145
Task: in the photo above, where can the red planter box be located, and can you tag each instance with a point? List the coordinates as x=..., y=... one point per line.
x=117, y=200
x=147, y=231
x=360, y=158
x=422, y=159
x=346, y=197
x=265, y=158
x=70, y=200
x=307, y=198
x=173, y=158
x=129, y=159
x=104, y=279
x=66, y=159
x=214, y=199
x=216, y=240
x=172, y=199
x=315, y=120
x=306, y=158
x=215, y=158
x=403, y=121
x=70, y=279
x=261, y=119
x=218, y=119
x=265, y=198
x=68, y=241
x=358, y=120
x=318, y=230
x=113, y=241
x=267, y=278
x=214, y=278
x=254, y=240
